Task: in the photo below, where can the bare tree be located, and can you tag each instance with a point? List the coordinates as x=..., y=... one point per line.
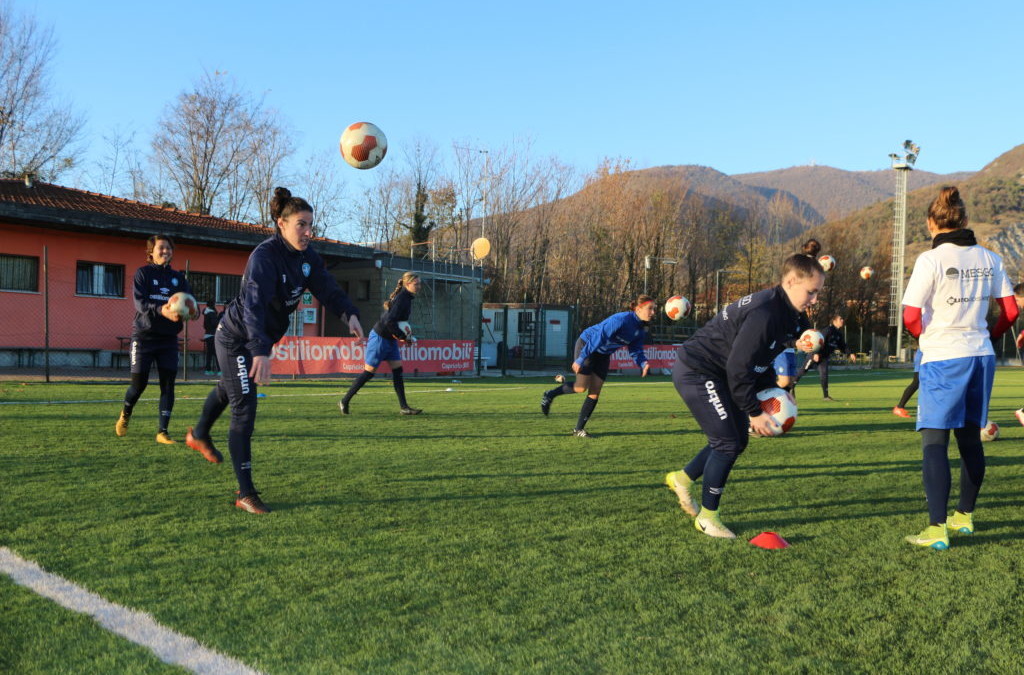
x=37, y=136
x=322, y=187
x=220, y=149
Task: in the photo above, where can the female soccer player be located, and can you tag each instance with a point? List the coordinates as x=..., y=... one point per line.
x=211, y=317
x=278, y=272
x=944, y=306
x=719, y=371
x=382, y=344
x=901, y=408
x=154, y=333
x=834, y=342
x=593, y=353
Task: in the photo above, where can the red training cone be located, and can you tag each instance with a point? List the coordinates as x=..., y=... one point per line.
x=769, y=540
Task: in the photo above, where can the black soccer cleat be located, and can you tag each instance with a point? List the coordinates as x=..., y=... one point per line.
x=343, y=405
x=545, y=404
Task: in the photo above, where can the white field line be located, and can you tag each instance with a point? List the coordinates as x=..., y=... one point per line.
x=138, y=627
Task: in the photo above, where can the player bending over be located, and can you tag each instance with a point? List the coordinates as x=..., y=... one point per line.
x=719, y=371
x=594, y=349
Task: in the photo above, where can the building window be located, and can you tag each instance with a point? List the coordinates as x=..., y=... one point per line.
x=19, y=273
x=363, y=289
x=222, y=288
x=99, y=279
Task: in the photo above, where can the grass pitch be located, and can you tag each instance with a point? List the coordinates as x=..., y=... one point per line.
x=482, y=537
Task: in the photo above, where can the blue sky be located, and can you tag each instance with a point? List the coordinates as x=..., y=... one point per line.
x=738, y=86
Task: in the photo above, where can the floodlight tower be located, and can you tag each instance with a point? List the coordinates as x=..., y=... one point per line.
x=903, y=164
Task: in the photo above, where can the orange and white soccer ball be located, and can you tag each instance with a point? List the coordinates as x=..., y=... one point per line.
x=184, y=305
x=810, y=341
x=990, y=431
x=677, y=307
x=363, y=145
x=781, y=406
x=827, y=262
x=866, y=272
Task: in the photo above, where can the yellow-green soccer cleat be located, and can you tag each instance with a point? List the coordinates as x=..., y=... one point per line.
x=710, y=524
x=960, y=523
x=121, y=428
x=162, y=437
x=934, y=536
x=680, y=483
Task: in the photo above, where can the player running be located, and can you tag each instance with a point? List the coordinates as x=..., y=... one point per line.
x=154, y=333
x=719, y=371
x=382, y=345
x=593, y=352
x=944, y=306
x=279, y=270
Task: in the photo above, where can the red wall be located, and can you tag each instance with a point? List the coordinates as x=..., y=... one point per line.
x=88, y=322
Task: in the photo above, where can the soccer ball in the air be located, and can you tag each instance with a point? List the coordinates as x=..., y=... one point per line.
x=827, y=263
x=184, y=305
x=363, y=145
x=677, y=307
x=866, y=272
x=779, y=404
x=990, y=431
x=811, y=341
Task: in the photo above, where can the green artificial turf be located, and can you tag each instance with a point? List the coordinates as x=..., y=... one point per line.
x=481, y=537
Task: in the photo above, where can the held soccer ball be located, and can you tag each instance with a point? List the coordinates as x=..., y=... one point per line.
x=779, y=404
x=866, y=272
x=406, y=328
x=811, y=341
x=990, y=431
x=827, y=263
x=677, y=307
x=363, y=145
x=184, y=305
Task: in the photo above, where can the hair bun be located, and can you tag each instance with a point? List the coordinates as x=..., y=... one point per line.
x=282, y=193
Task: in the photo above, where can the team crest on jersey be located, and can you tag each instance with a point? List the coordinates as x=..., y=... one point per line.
x=174, y=281
x=305, y=269
x=155, y=282
x=952, y=273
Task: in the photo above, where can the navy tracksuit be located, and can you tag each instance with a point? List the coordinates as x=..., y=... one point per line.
x=719, y=371
x=834, y=342
x=275, y=278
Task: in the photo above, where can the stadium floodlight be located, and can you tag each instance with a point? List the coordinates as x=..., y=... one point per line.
x=903, y=165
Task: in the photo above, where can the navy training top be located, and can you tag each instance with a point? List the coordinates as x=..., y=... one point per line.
x=621, y=329
x=399, y=309
x=275, y=278
x=741, y=342
x=152, y=287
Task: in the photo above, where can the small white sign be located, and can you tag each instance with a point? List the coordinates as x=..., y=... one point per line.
x=309, y=315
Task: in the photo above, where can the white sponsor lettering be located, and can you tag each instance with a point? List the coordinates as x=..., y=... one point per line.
x=715, y=401
x=243, y=374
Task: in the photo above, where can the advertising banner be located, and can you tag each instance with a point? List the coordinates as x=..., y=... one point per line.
x=324, y=355
x=659, y=356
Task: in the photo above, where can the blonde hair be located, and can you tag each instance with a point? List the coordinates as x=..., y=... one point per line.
x=407, y=277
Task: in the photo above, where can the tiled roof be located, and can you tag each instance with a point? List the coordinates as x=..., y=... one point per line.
x=58, y=197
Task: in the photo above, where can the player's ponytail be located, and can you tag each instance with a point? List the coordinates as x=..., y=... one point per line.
x=282, y=204
x=948, y=211
x=406, y=278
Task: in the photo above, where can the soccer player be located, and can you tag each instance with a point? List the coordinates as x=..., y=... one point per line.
x=944, y=306
x=785, y=368
x=382, y=344
x=593, y=352
x=1018, y=298
x=834, y=342
x=210, y=320
x=154, y=333
x=279, y=270
x=719, y=371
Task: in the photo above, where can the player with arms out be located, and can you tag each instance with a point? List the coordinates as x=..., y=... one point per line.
x=593, y=352
x=279, y=270
x=155, y=333
x=719, y=371
x=834, y=342
x=382, y=345
x=945, y=306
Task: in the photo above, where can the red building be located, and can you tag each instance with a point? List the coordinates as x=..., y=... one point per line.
x=68, y=257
